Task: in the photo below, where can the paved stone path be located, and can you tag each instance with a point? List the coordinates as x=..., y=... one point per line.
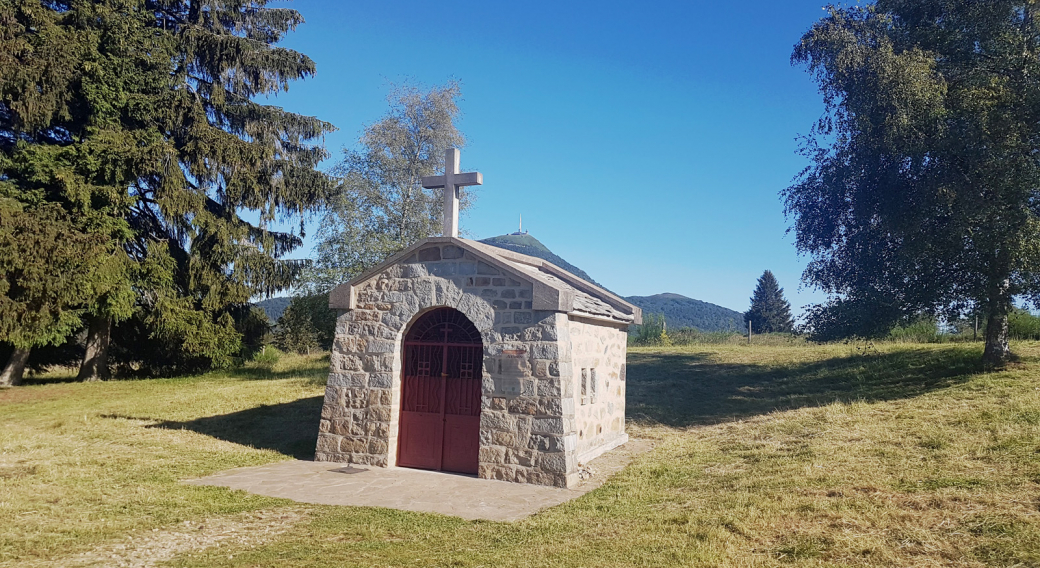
x=463, y=496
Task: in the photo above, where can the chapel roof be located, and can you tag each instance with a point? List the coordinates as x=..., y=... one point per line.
x=554, y=288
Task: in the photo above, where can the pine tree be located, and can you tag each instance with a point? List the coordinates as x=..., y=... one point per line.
x=138, y=117
x=46, y=275
x=770, y=312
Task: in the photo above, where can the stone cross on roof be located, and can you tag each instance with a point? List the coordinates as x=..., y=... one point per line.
x=451, y=181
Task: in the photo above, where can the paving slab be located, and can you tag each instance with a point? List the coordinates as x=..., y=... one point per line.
x=465, y=496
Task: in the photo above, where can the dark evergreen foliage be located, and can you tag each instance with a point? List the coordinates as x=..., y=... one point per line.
x=138, y=118
x=924, y=190
x=306, y=324
x=770, y=312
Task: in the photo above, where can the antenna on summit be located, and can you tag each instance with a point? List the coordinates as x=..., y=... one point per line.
x=521, y=230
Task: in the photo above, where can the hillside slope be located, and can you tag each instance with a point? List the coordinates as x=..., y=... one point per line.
x=680, y=311
x=526, y=244
x=274, y=307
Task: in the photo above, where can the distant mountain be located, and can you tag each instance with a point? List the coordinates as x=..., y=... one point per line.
x=526, y=244
x=274, y=307
x=680, y=311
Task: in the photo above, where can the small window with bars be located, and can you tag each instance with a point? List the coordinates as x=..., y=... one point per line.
x=584, y=387
x=592, y=385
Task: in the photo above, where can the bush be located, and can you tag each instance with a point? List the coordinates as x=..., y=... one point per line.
x=652, y=331
x=924, y=330
x=1023, y=325
x=307, y=324
x=267, y=356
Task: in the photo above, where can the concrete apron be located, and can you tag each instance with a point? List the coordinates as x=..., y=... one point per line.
x=325, y=483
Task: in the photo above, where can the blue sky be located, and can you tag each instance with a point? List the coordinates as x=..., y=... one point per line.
x=643, y=142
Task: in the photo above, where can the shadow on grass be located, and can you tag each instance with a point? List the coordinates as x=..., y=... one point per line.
x=290, y=428
x=687, y=389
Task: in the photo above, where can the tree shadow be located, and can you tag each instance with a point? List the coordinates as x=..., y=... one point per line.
x=687, y=389
x=289, y=428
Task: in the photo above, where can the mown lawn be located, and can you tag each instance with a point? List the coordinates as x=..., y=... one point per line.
x=888, y=455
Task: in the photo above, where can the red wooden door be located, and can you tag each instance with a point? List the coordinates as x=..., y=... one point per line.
x=440, y=398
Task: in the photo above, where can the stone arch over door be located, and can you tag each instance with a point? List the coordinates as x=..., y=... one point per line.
x=441, y=387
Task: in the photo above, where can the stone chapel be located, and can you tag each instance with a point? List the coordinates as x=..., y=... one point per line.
x=458, y=356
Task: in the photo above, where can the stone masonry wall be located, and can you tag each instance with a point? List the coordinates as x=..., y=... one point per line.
x=527, y=416
x=599, y=362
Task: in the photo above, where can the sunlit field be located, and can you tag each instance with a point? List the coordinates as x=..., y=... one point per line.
x=765, y=455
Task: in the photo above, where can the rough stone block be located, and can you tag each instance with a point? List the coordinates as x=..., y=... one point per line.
x=442, y=269
x=498, y=281
x=380, y=380
x=509, y=294
x=516, y=305
x=429, y=253
x=497, y=421
x=378, y=414
x=524, y=458
x=492, y=454
x=504, y=473
x=547, y=425
x=523, y=406
x=484, y=268
x=507, y=439
x=549, y=387
x=545, y=443
x=377, y=447
x=328, y=443
x=553, y=463
x=380, y=346
x=466, y=268
x=323, y=426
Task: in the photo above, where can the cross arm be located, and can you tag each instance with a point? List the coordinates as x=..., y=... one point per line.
x=459, y=180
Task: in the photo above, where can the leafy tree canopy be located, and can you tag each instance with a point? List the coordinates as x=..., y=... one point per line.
x=922, y=196
x=380, y=206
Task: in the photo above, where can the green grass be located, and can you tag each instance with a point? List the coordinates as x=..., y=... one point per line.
x=784, y=455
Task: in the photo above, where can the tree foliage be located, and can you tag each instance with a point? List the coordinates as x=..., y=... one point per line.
x=306, y=324
x=138, y=118
x=922, y=196
x=379, y=206
x=770, y=312
x=653, y=331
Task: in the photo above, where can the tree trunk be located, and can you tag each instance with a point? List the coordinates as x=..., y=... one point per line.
x=95, y=362
x=998, y=352
x=15, y=368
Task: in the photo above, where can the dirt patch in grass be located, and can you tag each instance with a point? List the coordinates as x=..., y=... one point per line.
x=149, y=549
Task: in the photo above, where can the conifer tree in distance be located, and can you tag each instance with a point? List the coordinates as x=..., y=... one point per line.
x=770, y=312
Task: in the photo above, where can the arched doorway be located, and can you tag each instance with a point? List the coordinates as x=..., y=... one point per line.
x=440, y=393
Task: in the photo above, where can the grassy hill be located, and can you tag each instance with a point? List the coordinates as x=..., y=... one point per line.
x=680, y=311
x=810, y=455
x=526, y=244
